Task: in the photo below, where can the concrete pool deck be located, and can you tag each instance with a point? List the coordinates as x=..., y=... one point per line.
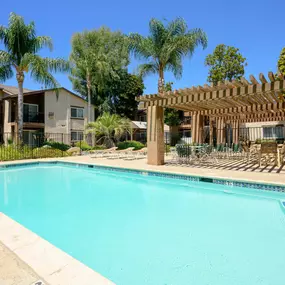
x=26, y=258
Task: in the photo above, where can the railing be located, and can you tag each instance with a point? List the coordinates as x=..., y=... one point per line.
x=186, y=120
x=33, y=117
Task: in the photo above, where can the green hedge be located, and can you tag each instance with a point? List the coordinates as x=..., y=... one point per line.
x=57, y=145
x=126, y=144
x=12, y=152
x=83, y=145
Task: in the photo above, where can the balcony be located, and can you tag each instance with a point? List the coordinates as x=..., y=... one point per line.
x=186, y=120
x=33, y=117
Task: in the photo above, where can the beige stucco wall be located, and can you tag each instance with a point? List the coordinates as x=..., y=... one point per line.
x=61, y=107
x=255, y=130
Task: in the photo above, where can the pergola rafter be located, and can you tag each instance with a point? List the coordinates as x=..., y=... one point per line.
x=235, y=102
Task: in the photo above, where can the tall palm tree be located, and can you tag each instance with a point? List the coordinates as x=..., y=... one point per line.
x=165, y=47
x=20, y=56
x=109, y=128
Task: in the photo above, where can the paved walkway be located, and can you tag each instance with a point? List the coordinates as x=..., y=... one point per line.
x=207, y=171
x=13, y=271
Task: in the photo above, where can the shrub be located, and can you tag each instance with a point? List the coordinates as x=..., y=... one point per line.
x=13, y=152
x=136, y=145
x=98, y=147
x=57, y=145
x=48, y=152
x=83, y=145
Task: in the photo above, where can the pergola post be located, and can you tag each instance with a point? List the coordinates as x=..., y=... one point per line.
x=211, y=140
x=223, y=131
x=194, y=128
x=155, y=135
x=218, y=128
x=200, y=128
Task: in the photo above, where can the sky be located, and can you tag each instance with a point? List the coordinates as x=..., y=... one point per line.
x=256, y=27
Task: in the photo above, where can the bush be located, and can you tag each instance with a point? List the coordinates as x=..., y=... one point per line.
x=57, y=145
x=13, y=152
x=48, y=152
x=83, y=145
x=136, y=145
x=98, y=147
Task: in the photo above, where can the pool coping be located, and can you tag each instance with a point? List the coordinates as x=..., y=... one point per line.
x=258, y=185
x=53, y=265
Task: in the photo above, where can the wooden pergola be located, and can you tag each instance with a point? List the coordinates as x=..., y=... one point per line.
x=232, y=102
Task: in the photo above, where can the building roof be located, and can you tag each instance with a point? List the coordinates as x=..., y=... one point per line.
x=12, y=90
x=143, y=125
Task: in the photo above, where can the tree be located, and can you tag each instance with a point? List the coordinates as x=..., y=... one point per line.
x=172, y=117
x=109, y=128
x=281, y=62
x=20, y=56
x=97, y=56
x=226, y=63
x=121, y=95
x=165, y=47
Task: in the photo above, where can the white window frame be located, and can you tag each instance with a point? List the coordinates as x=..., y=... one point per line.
x=77, y=115
x=270, y=132
x=78, y=134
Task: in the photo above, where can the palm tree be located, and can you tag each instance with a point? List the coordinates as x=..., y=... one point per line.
x=20, y=56
x=165, y=47
x=109, y=128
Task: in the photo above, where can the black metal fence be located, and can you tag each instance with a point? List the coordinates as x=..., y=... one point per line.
x=40, y=145
x=43, y=145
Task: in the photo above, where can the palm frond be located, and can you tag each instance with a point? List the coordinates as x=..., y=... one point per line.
x=141, y=47
x=42, y=41
x=147, y=69
x=6, y=71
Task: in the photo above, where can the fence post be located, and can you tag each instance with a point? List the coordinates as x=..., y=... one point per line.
x=62, y=143
x=80, y=146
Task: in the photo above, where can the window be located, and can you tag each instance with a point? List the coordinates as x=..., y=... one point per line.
x=273, y=132
x=142, y=118
x=77, y=112
x=76, y=135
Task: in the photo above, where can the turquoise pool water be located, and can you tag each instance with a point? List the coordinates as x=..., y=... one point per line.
x=142, y=230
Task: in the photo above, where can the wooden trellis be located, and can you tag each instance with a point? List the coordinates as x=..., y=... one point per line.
x=231, y=100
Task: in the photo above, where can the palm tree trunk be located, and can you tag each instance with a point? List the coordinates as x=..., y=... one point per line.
x=88, y=98
x=20, y=79
x=161, y=81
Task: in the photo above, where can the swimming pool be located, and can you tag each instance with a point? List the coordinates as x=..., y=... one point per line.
x=149, y=230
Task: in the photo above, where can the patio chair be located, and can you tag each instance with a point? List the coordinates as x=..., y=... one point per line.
x=282, y=154
x=269, y=149
x=121, y=153
x=137, y=154
x=250, y=152
x=104, y=152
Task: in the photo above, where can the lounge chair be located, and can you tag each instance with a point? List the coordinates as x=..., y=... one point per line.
x=269, y=149
x=104, y=152
x=121, y=153
x=137, y=154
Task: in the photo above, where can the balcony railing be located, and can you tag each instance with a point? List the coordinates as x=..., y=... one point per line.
x=186, y=120
x=33, y=117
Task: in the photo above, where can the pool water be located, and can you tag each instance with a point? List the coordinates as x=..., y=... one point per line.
x=147, y=230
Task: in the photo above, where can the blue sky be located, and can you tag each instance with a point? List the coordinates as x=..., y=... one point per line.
x=256, y=27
